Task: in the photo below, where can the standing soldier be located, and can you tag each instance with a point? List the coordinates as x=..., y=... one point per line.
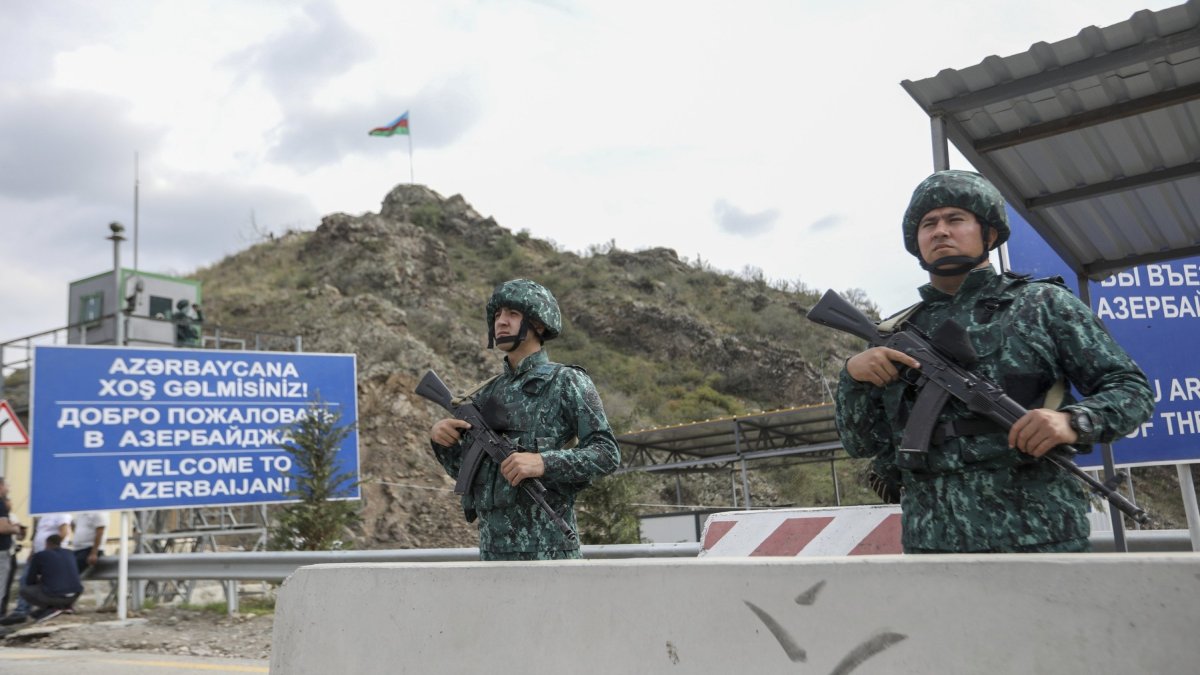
x=10, y=532
x=547, y=405
x=981, y=489
x=187, y=327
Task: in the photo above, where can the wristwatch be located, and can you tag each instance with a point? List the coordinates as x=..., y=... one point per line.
x=1081, y=422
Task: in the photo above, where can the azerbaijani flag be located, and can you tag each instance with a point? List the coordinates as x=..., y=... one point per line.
x=398, y=126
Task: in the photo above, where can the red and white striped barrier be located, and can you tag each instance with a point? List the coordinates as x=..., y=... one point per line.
x=835, y=531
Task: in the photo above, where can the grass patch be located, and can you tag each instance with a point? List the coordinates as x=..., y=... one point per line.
x=257, y=605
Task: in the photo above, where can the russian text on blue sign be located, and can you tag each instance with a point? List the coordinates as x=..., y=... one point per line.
x=121, y=428
x=1152, y=311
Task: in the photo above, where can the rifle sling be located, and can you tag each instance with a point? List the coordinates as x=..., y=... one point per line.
x=459, y=400
x=890, y=324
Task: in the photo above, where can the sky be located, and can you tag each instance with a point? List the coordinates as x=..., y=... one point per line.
x=755, y=134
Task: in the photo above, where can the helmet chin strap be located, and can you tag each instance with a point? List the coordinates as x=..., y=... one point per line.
x=516, y=340
x=954, y=265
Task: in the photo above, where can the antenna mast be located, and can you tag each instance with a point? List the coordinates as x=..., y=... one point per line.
x=135, y=211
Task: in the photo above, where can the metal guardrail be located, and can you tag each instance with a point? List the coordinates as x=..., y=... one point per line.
x=278, y=565
x=1145, y=541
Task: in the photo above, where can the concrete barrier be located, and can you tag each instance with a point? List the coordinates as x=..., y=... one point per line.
x=860, y=530
x=1099, y=613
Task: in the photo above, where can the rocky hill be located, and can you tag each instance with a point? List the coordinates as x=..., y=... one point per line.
x=666, y=340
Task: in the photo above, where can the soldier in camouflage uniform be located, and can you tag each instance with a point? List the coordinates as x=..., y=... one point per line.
x=980, y=489
x=548, y=406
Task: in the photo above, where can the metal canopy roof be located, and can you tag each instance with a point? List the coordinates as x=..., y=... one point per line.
x=1095, y=139
x=797, y=431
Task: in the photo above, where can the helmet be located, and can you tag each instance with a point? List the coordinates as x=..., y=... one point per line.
x=182, y=304
x=962, y=189
x=529, y=298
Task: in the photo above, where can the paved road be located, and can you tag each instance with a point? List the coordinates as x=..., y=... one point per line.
x=63, y=662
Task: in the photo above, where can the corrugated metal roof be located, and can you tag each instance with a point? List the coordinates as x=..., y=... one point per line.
x=797, y=431
x=1094, y=139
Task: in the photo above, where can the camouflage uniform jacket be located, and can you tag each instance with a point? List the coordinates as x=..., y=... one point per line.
x=976, y=493
x=549, y=405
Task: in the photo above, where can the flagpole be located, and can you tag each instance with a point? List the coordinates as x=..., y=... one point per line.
x=136, y=182
x=411, y=180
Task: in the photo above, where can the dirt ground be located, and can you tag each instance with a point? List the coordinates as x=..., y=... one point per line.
x=163, y=629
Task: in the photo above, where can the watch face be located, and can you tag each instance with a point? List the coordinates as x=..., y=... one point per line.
x=1082, y=422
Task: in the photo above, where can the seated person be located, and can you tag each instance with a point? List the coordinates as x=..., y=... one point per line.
x=53, y=580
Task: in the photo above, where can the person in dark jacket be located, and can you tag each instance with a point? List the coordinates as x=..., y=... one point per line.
x=54, y=581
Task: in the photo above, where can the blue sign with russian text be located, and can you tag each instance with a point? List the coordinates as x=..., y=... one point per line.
x=1152, y=311
x=129, y=429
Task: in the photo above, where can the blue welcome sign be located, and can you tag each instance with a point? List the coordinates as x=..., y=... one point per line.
x=130, y=429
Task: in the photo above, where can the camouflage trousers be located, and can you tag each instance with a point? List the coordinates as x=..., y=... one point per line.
x=1080, y=545
x=488, y=556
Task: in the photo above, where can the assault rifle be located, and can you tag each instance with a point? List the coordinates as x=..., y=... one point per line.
x=945, y=359
x=485, y=441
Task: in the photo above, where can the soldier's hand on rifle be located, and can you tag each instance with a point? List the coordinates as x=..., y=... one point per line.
x=521, y=465
x=877, y=365
x=1040, y=431
x=447, y=432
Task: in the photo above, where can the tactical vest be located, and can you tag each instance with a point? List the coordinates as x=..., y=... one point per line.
x=1030, y=389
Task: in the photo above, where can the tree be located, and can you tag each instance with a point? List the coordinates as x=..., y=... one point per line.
x=319, y=520
x=606, y=514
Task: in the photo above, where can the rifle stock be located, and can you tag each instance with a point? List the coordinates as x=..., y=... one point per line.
x=431, y=387
x=835, y=312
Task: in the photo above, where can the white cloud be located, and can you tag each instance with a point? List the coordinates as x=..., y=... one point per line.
x=580, y=121
x=734, y=220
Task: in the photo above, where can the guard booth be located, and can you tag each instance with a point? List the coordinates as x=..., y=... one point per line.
x=146, y=304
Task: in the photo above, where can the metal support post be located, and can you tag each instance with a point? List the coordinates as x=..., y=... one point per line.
x=737, y=444
x=123, y=570
x=837, y=490
x=1119, y=543
x=116, y=238
x=941, y=145
x=1118, y=521
x=231, y=596
x=1188, y=490
x=1132, y=496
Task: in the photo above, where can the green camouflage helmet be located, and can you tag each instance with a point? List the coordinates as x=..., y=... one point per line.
x=529, y=298
x=962, y=189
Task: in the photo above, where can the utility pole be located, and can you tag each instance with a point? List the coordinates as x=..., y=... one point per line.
x=116, y=238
